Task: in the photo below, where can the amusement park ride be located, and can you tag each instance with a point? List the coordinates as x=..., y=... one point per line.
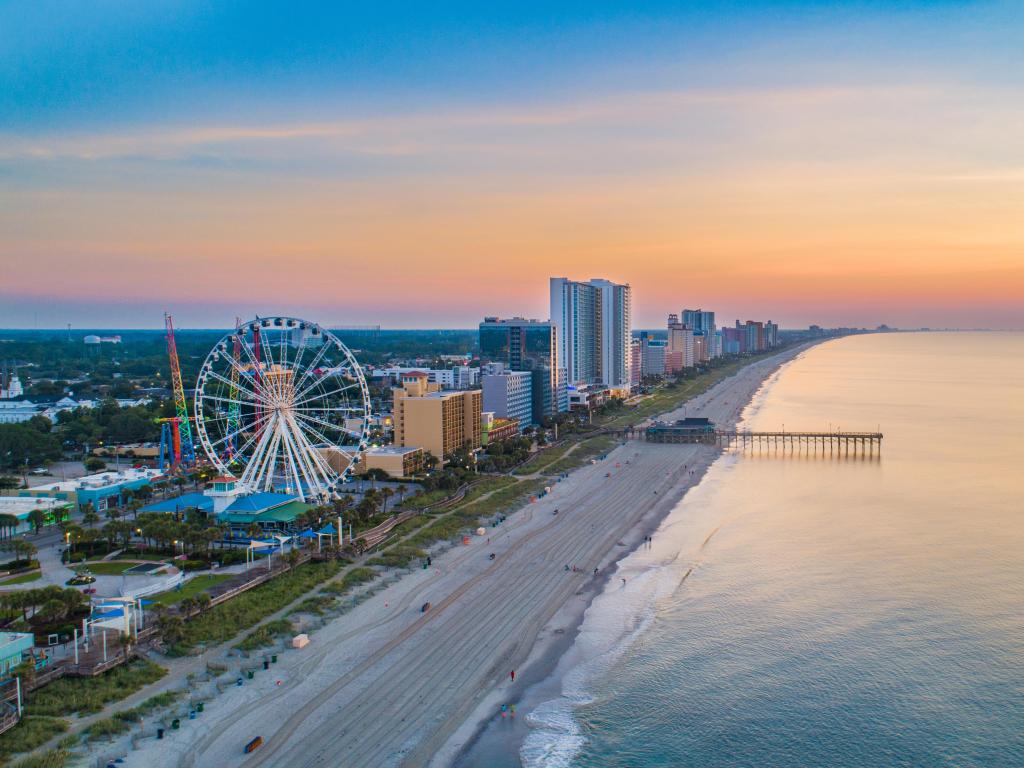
x=176, y=431
x=280, y=403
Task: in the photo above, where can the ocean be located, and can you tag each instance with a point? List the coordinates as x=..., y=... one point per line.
x=810, y=610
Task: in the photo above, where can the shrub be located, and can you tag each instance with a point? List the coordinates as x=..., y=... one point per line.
x=317, y=605
x=398, y=556
x=224, y=621
x=266, y=634
x=30, y=733
x=107, y=726
x=87, y=695
x=194, y=565
x=353, y=578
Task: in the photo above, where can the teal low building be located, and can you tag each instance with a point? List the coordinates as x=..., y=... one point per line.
x=14, y=646
x=103, y=490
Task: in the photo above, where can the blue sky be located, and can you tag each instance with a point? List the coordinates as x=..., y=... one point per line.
x=669, y=145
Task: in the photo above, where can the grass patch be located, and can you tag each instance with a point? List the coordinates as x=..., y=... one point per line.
x=120, y=722
x=508, y=493
x=410, y=525
x=54, y=758
x=353, y=578
x=317, y=605
x=543, y=459
x=266, y=634
x=88, y=695
x=421, y=499
x=398, y=556
x=223, y=622
x=30, y=733
x=588, y=449
x=107, y=567
x=24, y=578
x=108, y=727
x=190, y=588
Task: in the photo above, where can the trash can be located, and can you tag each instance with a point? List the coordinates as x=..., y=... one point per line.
x=273, y=659
x=175, y=724
x=266, y=664
x=200, y=706
x=159, y=733
x=191, y=714
x=251, y=673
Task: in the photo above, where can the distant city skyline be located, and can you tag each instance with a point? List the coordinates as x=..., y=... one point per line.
x=841, y=164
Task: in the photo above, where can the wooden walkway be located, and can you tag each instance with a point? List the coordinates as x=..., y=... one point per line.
x=812, y=442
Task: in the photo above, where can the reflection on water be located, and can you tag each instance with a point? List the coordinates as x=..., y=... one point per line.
x=838, y=609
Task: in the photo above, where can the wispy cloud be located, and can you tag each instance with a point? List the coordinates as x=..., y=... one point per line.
x=416, y=132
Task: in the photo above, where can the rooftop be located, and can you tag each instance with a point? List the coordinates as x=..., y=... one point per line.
x=15, y=641
x=258, y=502
x=101, y=480
x=392, y=450
x=283, y=513
x=179, y=503
x=22, y=505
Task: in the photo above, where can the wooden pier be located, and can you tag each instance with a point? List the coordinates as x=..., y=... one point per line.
x=812, y=442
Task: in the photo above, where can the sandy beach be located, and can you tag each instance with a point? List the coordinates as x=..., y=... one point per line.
x=388, y=685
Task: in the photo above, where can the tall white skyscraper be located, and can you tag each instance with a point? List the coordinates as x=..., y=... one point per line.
x=594, y=321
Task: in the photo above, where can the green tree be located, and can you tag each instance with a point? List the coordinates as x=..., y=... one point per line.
x=24, y=445
x=89, y=514
x=8, y=524
x=118, y=531
x=37, y=517
x=94, y=464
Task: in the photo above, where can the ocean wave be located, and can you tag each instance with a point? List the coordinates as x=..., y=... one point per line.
x=616, y=619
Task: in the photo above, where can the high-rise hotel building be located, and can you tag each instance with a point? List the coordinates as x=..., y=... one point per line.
x=703, y=324
x=594, y=330
x=528, y=345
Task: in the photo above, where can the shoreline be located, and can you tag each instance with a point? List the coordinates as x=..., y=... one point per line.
x=387, y=684
x=483, y=736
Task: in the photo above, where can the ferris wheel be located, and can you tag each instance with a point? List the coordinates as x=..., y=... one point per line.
x=282, y=405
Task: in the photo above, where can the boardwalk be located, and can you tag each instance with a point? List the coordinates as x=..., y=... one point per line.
x=825, y=442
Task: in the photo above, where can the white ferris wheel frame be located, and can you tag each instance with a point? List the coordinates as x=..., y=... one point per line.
x=296, y=417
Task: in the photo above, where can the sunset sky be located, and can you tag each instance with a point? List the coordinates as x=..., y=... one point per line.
x=422, y=165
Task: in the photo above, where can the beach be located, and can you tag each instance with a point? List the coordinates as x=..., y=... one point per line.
x=388, y=685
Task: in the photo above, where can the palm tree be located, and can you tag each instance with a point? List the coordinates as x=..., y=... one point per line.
x=38, y=519
x=89, y=514
x=8, y=524
x=386, y=493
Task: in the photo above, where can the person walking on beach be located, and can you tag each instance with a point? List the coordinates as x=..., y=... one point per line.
x=512, y=674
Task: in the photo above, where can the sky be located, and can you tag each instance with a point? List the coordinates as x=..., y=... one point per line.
x=427, y=164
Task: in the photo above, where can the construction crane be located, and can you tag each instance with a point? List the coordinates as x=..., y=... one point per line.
x=184, y=453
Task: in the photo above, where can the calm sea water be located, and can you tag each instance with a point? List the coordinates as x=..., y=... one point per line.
x=823, y=611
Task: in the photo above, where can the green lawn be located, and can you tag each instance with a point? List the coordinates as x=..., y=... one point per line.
x=24, y=578
x=107, y=567
x=190, y=588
